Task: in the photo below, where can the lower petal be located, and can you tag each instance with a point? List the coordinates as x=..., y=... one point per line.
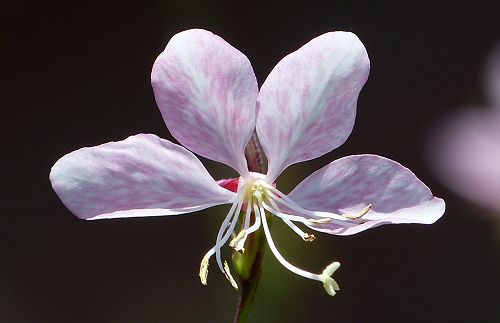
x=142, y=175
x=350, y=184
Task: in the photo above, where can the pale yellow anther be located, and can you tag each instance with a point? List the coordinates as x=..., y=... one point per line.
x=309, y=237
x=359, y=214
x=319, y=221
x=239, y=241
x=329, y=284
x=229, y=276
x=204, y=270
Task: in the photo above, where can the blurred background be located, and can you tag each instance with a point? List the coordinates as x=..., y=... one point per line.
x=78, y=74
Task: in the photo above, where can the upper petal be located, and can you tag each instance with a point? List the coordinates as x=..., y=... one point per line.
x=206, y=91
x=142, y=175
x=308, y=101
x=349, y=184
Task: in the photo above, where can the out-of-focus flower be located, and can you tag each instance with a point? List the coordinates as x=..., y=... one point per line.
x=465, y=153
x=208, y=96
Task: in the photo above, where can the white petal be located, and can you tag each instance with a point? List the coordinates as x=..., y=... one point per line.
x=349, y=184
x=307, y=105
x=142, y=175
x=207, y=92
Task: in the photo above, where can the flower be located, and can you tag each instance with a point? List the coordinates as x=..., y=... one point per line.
x=208, y=96
x=466, y=147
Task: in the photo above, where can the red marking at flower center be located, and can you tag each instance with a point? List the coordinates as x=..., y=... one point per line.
x=229, y=184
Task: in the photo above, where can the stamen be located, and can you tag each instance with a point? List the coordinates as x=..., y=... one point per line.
x=305, y=236
x=359, y=214
x=239, y=241
x=226, y=223
x=281, y=198
x=228, y=276
x=248, y=213
x=256, y=224
x=227, y=229
x=291, y=217
x=227, y=235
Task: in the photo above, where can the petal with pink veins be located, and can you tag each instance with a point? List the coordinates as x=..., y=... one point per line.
x=307, y=105
x=142, y=175
x=349, y=184
x=207, y=91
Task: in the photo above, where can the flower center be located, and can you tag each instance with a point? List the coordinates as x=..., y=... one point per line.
x=255, y=195
x=258, y=191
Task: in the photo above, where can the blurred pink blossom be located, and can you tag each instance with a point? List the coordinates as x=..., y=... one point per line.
x=208, y=96
x=465, y=153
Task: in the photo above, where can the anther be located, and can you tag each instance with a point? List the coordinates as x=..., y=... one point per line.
x=239, y=241
x=309, y=237
x=360, y=214
x=204, y=269
x=229, y=277
x=319, y=221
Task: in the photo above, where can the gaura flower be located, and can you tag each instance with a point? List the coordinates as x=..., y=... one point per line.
x=466, y=146
x=208, y=96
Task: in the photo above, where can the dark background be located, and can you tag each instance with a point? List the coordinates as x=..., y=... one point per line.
x=77, y=74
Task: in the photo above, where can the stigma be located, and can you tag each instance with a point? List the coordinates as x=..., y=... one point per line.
x=255, y=194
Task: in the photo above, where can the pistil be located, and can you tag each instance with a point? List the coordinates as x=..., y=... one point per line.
x=324, y=277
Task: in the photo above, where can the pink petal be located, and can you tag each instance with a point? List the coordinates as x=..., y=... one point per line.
x=466, y=155
x=206, y=91
x=308, y=102
x=142, y=175
x=349, y=184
